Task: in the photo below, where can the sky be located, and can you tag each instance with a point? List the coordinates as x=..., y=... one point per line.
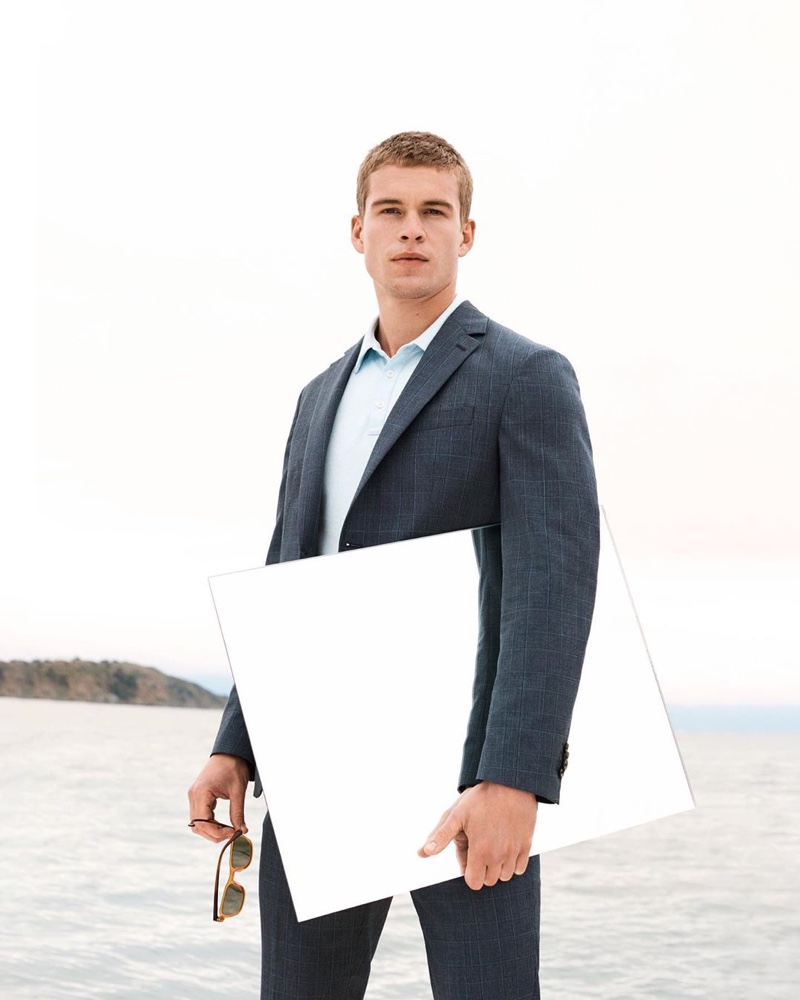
x=193, y=171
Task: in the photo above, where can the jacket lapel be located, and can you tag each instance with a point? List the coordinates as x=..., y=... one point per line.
x=326, y=404
x=451, y=346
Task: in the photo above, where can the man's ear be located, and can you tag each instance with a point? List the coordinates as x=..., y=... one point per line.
x=467, y=237
x=356, y=229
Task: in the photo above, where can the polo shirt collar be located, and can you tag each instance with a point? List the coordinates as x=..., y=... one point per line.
x=370, y=342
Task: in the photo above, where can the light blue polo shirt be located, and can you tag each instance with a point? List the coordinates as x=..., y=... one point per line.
x=372, y=390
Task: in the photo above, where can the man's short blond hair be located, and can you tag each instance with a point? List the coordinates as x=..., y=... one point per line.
x=416, y=149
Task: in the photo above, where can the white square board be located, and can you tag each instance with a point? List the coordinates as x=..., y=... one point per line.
x=355, y=676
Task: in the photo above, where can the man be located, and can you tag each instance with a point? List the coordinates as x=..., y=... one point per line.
x=440, y=419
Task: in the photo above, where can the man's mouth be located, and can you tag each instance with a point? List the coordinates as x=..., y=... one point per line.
x=410, y=257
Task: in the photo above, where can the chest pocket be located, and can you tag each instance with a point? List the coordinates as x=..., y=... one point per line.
x=450, y=416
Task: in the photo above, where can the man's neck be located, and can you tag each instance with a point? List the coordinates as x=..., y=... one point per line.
x=402, y=320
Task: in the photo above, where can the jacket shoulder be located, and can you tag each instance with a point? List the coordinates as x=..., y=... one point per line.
x=521, y=346
x=504, y=341
x=514, y=354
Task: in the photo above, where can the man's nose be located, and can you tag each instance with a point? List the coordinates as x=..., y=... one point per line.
x=412, y=228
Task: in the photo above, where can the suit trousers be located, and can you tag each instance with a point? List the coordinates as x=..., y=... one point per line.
x=480, y=945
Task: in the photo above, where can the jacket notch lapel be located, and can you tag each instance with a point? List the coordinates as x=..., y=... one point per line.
x=449, y=349
x=319, y=432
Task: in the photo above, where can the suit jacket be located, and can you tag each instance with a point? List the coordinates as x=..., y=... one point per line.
x=490, y=430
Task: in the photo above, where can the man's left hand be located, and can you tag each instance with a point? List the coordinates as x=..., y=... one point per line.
x=492, y=826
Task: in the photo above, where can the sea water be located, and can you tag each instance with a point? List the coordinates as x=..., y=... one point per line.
x=108, y=894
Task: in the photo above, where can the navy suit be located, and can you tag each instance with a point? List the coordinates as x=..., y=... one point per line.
x=490, y=430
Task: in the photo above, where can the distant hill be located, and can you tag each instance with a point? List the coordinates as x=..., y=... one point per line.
x=107, y=681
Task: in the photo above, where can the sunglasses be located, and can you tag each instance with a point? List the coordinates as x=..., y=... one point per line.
x=229, y=903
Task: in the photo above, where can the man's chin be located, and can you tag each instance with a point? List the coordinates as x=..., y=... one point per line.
x=412, y=290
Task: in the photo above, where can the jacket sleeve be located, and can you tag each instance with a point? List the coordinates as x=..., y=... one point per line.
x=538, y=574
x=232, y=736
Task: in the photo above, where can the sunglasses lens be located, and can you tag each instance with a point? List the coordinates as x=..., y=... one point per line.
x=232, y=901
x=241, y=853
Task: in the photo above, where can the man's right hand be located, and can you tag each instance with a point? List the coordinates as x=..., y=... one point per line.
x=223, y=777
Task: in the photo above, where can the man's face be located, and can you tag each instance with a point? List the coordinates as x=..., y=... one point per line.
x=411, y=233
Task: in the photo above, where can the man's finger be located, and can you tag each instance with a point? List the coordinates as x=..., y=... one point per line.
x=439, y=839
x=209, y=829
x=214, y=831
x=493, y=873
x=475, y=875
x=201, y=807
x=522, y=864
x=507, y=873
x=237, y=810
x=462, y=850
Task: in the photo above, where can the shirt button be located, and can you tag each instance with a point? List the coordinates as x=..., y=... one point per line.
x=380, y=404
x=390, y=374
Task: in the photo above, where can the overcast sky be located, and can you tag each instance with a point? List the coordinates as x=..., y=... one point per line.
x=637, y=208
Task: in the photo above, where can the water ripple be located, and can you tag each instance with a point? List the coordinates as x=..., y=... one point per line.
x=110, y=895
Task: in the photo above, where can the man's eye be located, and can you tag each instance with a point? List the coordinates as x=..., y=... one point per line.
x=388, y=211
x=433, y=211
